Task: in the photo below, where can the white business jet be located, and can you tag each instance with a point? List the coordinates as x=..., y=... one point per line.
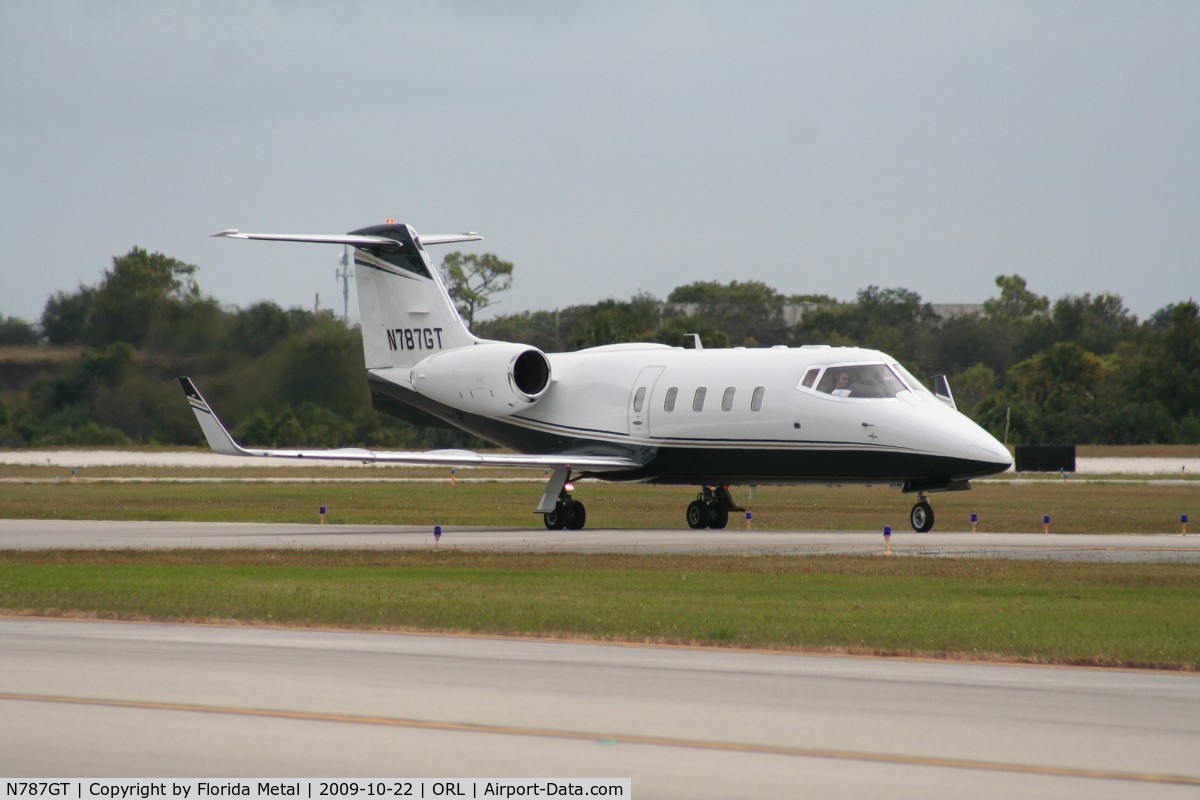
x=636, y=412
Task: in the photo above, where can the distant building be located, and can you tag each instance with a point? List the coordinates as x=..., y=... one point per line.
x=794, y=312
x=948, y=310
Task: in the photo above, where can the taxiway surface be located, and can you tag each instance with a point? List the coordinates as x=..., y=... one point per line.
x=73, y=534
x=104, y=699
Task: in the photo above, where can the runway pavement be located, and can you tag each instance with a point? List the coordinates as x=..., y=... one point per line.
x=41, y=534
x=105, y=699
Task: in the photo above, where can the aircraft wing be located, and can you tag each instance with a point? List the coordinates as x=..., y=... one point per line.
x=220, y=440
x=348, y=238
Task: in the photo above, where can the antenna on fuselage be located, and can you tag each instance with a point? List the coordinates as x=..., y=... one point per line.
x=695, y=340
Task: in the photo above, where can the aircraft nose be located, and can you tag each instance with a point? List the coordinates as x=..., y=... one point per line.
x=986, y=448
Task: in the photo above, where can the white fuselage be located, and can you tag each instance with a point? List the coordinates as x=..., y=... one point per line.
x=742, y=414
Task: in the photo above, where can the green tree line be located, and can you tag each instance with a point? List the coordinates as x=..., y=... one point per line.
x=1080, y=370
x=98, y=368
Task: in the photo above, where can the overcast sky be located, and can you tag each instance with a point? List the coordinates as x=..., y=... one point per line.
x=607, y=148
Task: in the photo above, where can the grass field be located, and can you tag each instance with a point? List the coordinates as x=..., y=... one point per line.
x=1074, y=507
x=1095, y=614
x=1100, y=614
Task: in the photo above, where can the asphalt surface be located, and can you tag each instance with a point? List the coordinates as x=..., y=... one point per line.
x=95, y=699
x=43, y=534
x=105, y=699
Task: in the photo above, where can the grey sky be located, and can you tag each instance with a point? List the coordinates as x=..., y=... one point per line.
x=607, y=148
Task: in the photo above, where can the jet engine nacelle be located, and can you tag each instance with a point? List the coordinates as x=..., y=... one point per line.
x=490, y=378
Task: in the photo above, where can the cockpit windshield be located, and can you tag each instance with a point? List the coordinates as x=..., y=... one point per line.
x=871, y=381
x=912, y=382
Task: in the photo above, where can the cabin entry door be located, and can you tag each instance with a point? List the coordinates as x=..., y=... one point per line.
x=640, y=398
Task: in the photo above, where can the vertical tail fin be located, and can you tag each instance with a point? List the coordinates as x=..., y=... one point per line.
x=405, y=309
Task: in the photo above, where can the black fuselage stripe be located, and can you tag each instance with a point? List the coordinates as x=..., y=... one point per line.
x=699, y=461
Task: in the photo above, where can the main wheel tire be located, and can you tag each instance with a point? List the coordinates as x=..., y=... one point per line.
x=556, y=520
x=718, y=517
x=566, y=512
x=921, y=517
x=697, y=514
x=576, y=516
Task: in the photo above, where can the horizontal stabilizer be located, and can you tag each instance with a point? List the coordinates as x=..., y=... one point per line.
x=448, y=238
x=220, y=440
x=355, y=240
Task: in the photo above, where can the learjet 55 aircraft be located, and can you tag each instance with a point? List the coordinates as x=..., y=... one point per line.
x=709, y=418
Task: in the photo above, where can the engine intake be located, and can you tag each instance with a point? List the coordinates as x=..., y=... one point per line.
x=492, y=378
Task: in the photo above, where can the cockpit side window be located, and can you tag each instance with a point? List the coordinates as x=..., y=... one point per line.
x=810, y=378
x=911, y=380
x=861, y=381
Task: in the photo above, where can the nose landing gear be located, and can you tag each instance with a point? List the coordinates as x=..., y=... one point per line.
x=921, y=516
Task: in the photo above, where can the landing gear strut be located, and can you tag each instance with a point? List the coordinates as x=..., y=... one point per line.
x=557, y=508
x=711, y=508
x=921, y=516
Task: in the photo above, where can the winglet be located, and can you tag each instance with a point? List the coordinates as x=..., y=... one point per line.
x=218, y=437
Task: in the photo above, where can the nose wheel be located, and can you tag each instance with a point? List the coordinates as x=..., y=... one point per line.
x=921, y=516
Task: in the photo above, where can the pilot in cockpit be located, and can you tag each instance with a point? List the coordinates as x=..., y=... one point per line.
x=860, y=381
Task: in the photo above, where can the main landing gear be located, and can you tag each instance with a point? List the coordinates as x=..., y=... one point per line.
x=711, y=508
x=567, y=513
x=557, y=508
x=921, y=516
